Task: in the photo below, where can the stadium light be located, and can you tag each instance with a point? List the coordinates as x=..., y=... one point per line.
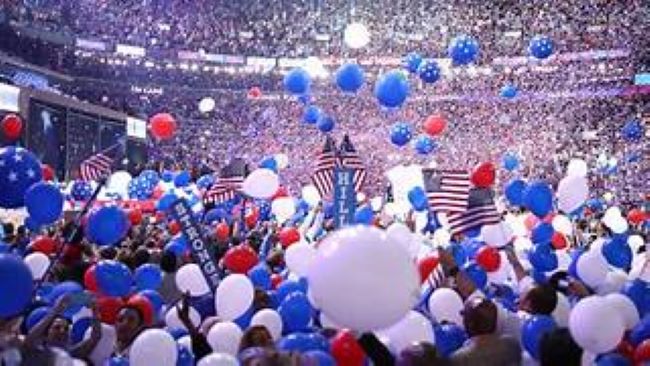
x=356, y=35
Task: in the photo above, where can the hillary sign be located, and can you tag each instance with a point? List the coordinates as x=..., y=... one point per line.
x=182, y=212
x=344, y=197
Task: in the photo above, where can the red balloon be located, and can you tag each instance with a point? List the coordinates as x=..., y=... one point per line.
x=346, y=350
x=108, y=307
x=483, y=175
x=44, y=244
x=626, y=349
x=559, y=241
x=144, y=306
x=288, y=236
x=162, y=126
x=160, y=216
x=530, y=221
x=90, y=279
x=255, y=92
x=174, y=227
x=240, y=259
x=222, y=232
x=12, y=126
x=276, y=280
x=281, y=192
x=488, y=258
x=251, y=217
x=636, y=216
x=135, y=216
x=48, y=172
x=157, y=192
x=642, y=352
x=426, y=266
x=434, y=125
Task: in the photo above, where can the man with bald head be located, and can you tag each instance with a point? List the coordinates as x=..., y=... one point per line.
x=485, y=346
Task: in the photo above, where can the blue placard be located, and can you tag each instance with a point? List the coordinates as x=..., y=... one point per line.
x=192, y=232
x=344, y=197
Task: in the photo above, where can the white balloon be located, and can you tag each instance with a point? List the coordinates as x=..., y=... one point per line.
x=376, y=203
x=562, y=310
x=299, y=257
x=619, y=225
x=595, y=325
x=625, y=308
x=362, y=280
x=446, y=304
x=572, y=192
x=282, y=160
x=271, y=320
x=496, y=235
x=38, y=264
x=592, y=268
x=190, y=278
x=328, y=323
x=400, y=233
x=207, y=104
x=577, y=167
x=119, y=183
x=563, y=260
x=413, y=328
x=174, y=322
x=611, y=215
x=105, y=346
x=635, y=242
x=185, y=341
x=153, y=347
x=639, y=269
x=441, y=237
x=614, y=282
x=356, y=35
x=283, y=208
x=234, y=296
x=261, y=183
x=501, y=275
x=310, y=195
x=562, y=224
x=218, y=359
x=224, y=337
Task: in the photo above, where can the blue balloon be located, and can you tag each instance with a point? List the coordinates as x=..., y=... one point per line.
x=509, y=91
x=79, y=328
x=459, y=253
x=204, y=305
x=533, y=330
x=139, y=189
x=178, y=246
x=204, y=182
x=81, y=190
x=425, y=145
x=542, y=233
x=297, y=81
x=36, y=316
x=429, y=71
x=107, y=226
x=19, y=170
x=295, y=312
x=117, y=361
x=418, y=199
x=16, y=285
x=510, y=162
x=322, y=358
x=476, y=274
x=632, y=131
x=618, y=254
x=154, y=298
x=364, y=215
x=350, y=78
x=311, y=115
x=400, y=134
x=260, y=277
x=148, y=277
x=287, y=288
x=150, y=177
x=32, y=224
x=185, y=357
x=538, y=198
x=303, y=342
x=612, y=359
x=165, y=202
x=392, y=89
x=463, y=50
x=113, y=278
x=244, y=320
x=542, y=258
x=449, y=337
x=182, y=179
x=167, y=176
x=269, y=163
x=66, y=287
x=412, y=62
x=641, y=331
x=639, y=292
x=325, y=123
x=540, y=47
x=514, y=192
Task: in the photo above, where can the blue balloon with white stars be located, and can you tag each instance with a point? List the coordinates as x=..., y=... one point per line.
x=401, y=133
x=19, y=169
x=509, y=91
x=541, y=47
x=150, y=177
x=81, y=190
x=412, y=62
x=326, y=123
x=204, y=182
x=311, y=115
x=429, y=71
x=139, y=189
x=463, y=50
x=350, y=78
x=182, y=179
x=167, y=176
x=632, y=131
x=424, y=145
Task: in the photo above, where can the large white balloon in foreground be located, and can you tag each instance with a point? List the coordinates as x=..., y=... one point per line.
x=596, y=325
x=362, y=280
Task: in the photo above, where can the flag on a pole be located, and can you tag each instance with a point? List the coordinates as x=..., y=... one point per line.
x=229, y=183
x=323, y=176
x=447, y=190
x=481, y=210
x=100, y=165
x=349, y=158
